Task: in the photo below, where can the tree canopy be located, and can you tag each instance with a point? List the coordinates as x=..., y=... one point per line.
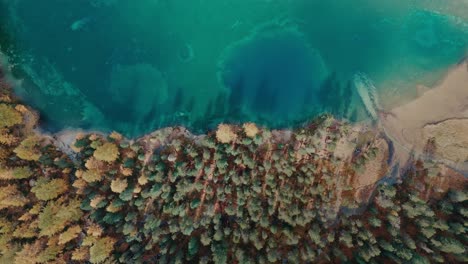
x=9, y=116
x=108, y=152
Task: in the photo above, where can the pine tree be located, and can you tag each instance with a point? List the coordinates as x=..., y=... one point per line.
x=451, y=245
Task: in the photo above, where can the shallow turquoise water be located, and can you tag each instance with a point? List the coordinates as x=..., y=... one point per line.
x=134, y=66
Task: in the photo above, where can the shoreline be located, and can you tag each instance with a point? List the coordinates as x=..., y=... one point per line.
x=425, y=118
x=408, y=126
x=416, y=89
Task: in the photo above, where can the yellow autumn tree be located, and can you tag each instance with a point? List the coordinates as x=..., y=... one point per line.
x=8, y=252
x=89, y=175
x=50, y=251
x=96, y=200
x=116, y=136
x=4, y=93
x=94, y=230
x=10, y=196
x=107, y=152
x=93, y=164
x=80, y=186
x=26, y=217
x=46, y=190
x=6, y=229
x=119, y=185
x=7, y=138
x=38, y=252
x=36, y=209
x=250, y=129
x=113, y=208
x=225, y=134
x=29, y=148
x=56, y=215
x=17, y=173
x=5, y=152
x=126, y=171
x=142, y=180
x=9, y=116
x=29, y=253
x=26, y=230
x=80, y=254
x=101, y=249
x=70, y=234
x=30, y=117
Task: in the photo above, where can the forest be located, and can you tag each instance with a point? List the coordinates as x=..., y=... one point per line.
x=239, y=194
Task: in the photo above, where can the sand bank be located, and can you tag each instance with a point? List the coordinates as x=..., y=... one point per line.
x=435, y=116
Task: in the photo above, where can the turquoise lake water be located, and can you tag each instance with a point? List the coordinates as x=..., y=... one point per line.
x=135, y=66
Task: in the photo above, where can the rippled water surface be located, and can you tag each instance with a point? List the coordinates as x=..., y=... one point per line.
x=134, y=66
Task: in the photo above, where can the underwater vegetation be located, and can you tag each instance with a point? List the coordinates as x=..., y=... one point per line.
x=324, y=193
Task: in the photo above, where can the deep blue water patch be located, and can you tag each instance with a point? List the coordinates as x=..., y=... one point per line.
x=273, y=76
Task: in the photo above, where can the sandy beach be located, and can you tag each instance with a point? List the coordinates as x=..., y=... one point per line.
x=439, y=116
